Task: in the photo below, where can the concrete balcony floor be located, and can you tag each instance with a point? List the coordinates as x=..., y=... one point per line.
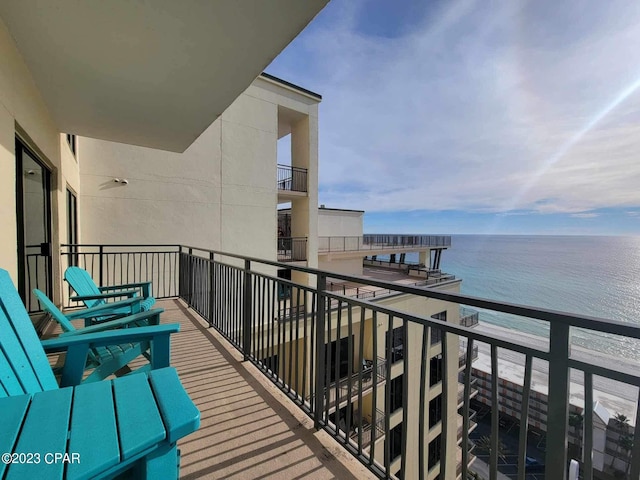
x=249, y=429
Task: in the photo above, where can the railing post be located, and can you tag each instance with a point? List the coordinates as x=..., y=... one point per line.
x=246, y=314
x=190, y=272
x=211, y=289
x=320, y=360
x=558, y=406
x=100, y=264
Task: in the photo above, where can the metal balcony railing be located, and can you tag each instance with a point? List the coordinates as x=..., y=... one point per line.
x=380, y=242
x=237, y=296
x=293, y=179
x=469, y=317
x=350, y=387
x=462, y=358
x=365, y=435
x=292, y=249
x=366, y=292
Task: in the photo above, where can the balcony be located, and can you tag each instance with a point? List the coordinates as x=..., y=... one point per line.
x=369, y=430
x=469, y=317
x=388, y=243
x=350, y=389
x=244, y=428
x=462, y=354
x=472, y=392
x=292, y=249
x=366, y=291
x=291, y=179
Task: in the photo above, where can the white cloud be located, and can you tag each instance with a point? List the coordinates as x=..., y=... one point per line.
x=584, y=215
x=466, y=111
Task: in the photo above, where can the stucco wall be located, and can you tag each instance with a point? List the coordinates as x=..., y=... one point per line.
x=346, y=266
x=23, y=112
x=219, y=194
x=339, y=223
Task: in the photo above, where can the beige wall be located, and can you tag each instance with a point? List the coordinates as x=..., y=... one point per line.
x=23, y=112
x=346, y=266
x=219, y=194
x=339, y=223
x=424, y=307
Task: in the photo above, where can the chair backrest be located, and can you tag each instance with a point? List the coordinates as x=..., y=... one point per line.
x=83, y=284
x=24, y=367
x=50, y=308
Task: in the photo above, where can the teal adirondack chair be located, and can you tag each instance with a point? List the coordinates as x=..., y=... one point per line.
x=107, y=360
x=126, y=425
x=92, y=295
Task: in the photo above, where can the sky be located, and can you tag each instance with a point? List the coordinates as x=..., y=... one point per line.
x=476, y=116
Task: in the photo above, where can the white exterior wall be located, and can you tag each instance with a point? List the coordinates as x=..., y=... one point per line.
x=340, y=223
x=219, y=194
x=23, y=113
x=346, y=266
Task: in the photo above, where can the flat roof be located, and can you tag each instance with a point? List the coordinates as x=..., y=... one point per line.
x=341, y=209
x=288, y=209
x=291, y=85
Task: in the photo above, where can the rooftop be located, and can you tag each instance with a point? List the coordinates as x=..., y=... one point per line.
x=511, y=366
x=363, y=291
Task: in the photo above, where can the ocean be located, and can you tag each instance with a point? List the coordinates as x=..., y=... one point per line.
x=587, y=275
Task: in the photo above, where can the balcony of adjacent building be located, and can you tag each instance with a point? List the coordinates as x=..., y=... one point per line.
x=260, y=417
x=374, y=244
x=291, y=183
x=289, y=248
x=365, y=290
x=292, y=249
x=351, y=388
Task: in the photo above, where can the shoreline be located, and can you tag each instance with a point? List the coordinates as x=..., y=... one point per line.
x=511, y=368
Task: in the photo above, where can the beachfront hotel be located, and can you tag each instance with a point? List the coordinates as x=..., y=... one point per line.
x=147, y=151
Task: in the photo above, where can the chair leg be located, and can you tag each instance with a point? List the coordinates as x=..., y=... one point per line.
x=162, y=463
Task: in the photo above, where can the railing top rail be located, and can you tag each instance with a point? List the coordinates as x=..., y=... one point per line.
x=291, y=167
x=570, y=319
x=121, y=245
x=574, y=320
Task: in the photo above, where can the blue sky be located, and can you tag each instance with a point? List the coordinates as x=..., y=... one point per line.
x=477, y=117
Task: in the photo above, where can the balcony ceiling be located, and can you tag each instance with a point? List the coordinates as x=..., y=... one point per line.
x=154, y=74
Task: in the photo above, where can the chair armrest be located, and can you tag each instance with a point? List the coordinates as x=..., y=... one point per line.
x=105, y=308
x=145, y=286
x=114, y=337
x=152, y=315
x=77, y=347
x=102, y=296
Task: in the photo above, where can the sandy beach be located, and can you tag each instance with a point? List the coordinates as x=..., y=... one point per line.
x=617, y=397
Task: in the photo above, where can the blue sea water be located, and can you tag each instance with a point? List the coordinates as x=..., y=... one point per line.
x=587, y=275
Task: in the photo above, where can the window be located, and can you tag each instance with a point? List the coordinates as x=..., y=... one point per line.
x=434, y=451
x=436, y=333
x=435, y=370
x=395, y=443
x=72, y=141
x=435, y=411
x=337, y=358
x=72, y=226
x=396, y=393
x=397, y=344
